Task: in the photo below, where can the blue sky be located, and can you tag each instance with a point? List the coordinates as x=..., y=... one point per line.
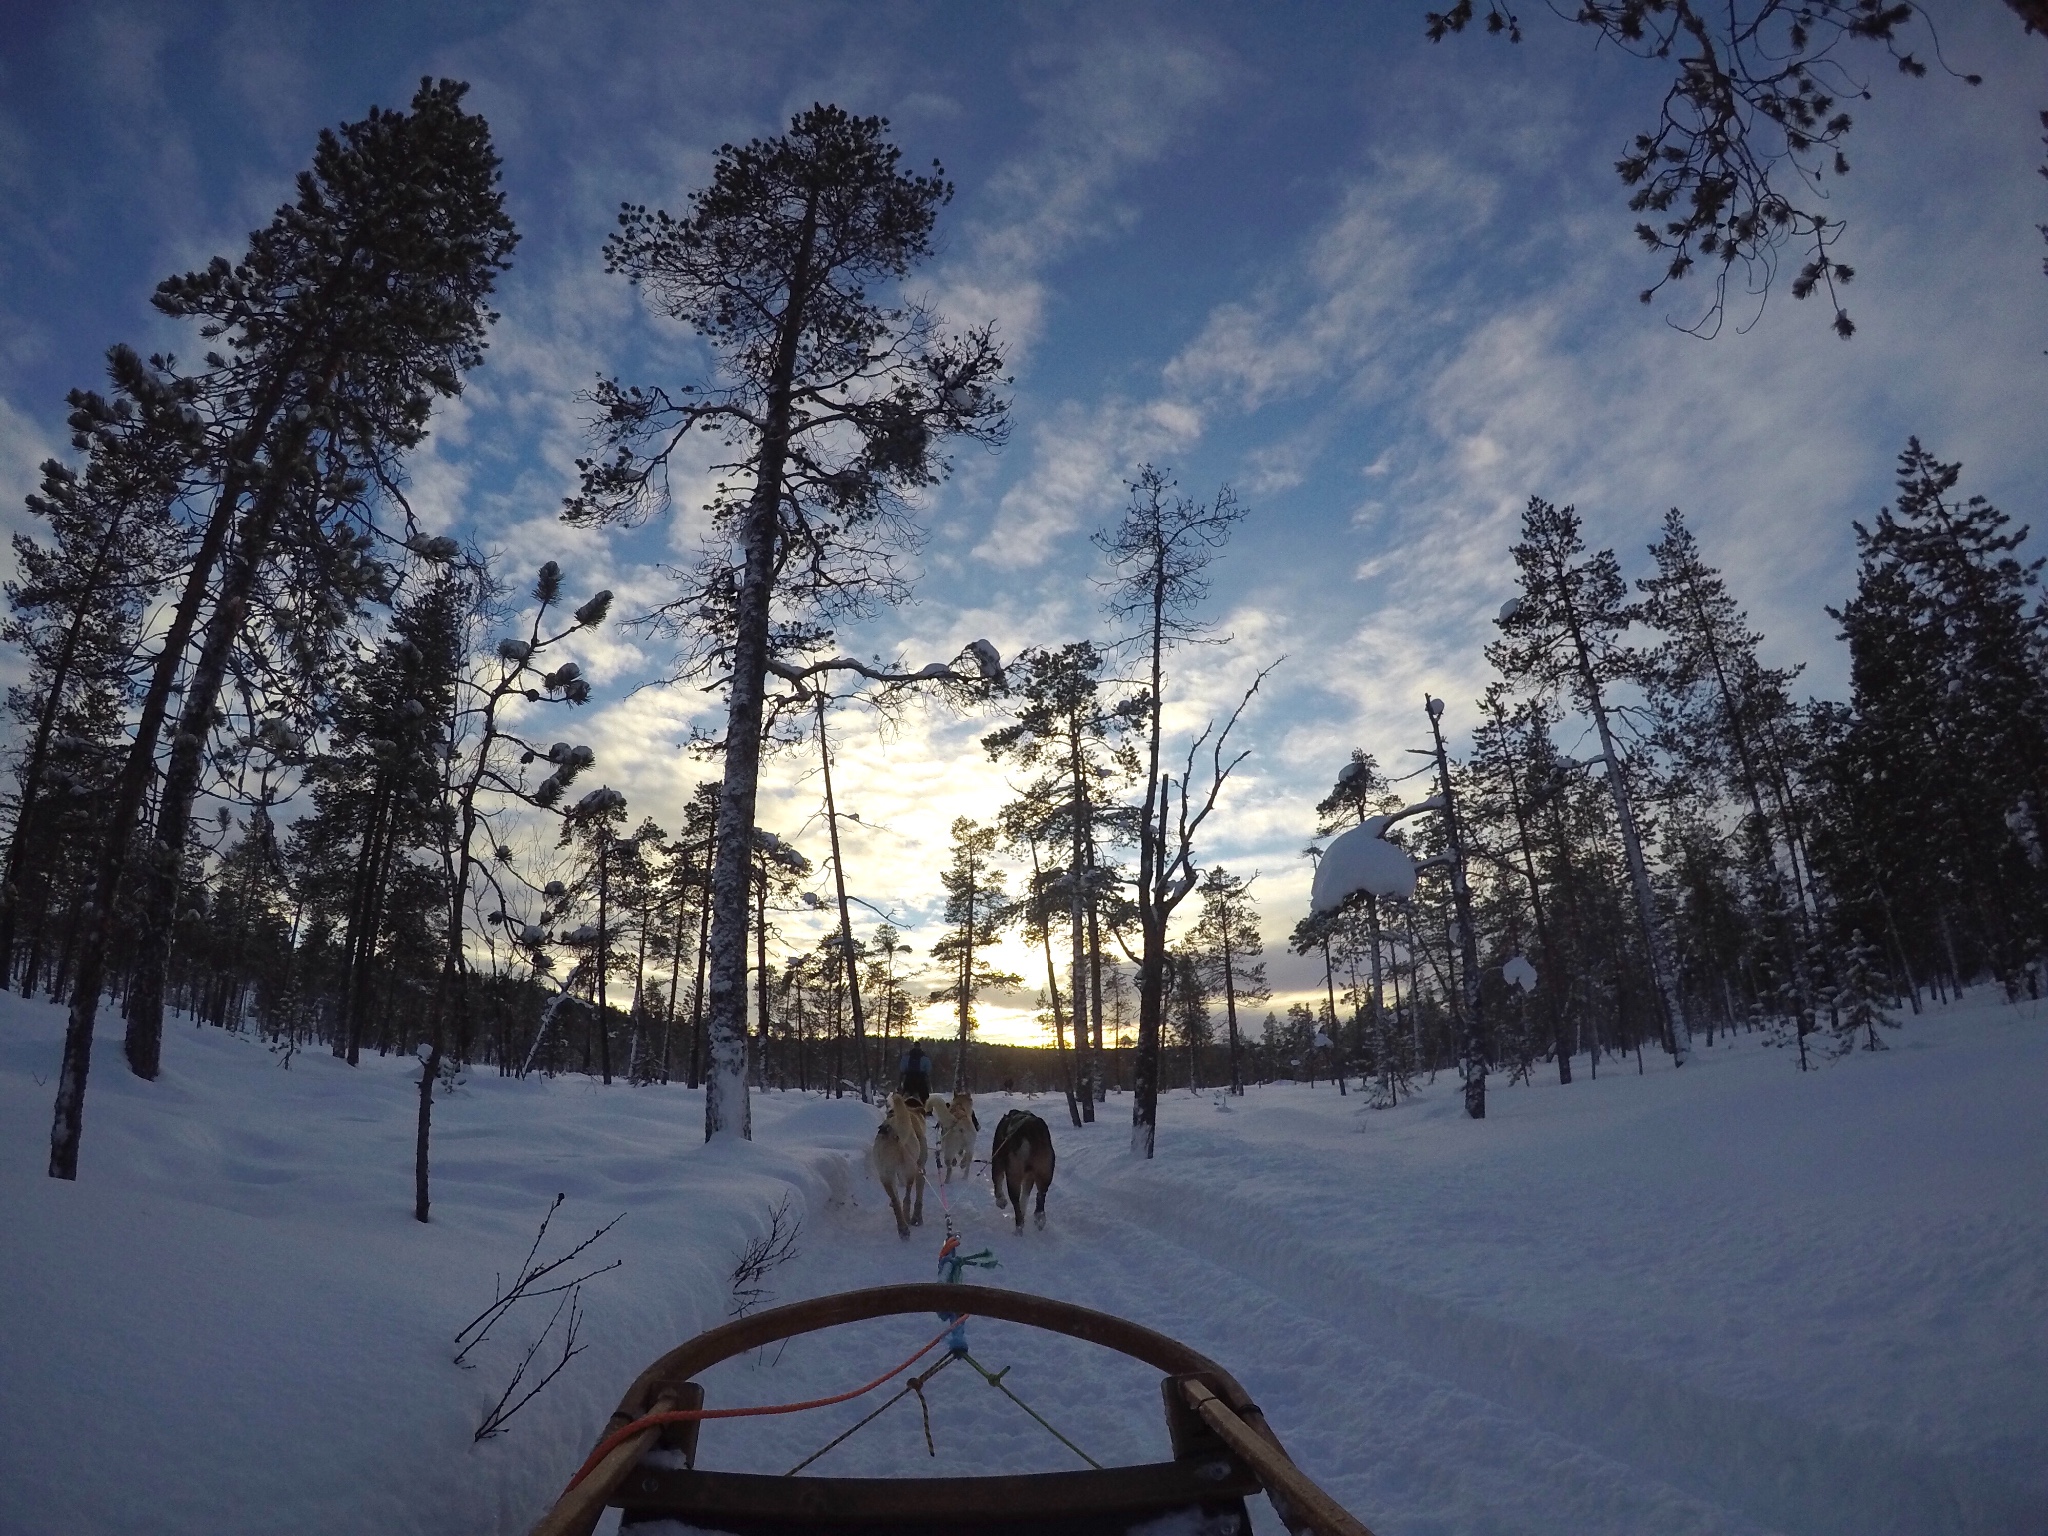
x=1384, y=289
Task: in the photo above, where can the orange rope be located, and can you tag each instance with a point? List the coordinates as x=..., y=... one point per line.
x=619, y=1437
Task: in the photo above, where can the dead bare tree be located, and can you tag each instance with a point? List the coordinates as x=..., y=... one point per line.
x=1159, y=554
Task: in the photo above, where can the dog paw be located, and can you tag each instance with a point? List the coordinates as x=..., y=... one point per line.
x=1038, y=1221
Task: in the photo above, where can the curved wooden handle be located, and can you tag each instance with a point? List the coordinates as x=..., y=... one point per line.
x=1312, y=1507
x=578, y=1510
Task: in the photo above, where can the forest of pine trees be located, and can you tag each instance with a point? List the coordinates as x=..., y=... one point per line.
x=284, y=763
x=1712, y=856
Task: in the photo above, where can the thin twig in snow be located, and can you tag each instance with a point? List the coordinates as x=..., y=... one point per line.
x=473, y=1333
x=494, y=1421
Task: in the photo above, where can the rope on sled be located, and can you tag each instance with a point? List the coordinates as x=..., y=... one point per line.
x=995, y=1379
x=915, y=1384
x=951, y=1264
x=619, y=1437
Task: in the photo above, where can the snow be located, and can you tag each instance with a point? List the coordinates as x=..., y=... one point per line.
x=987, y=658
x=1517, y=972
x=1361, y=860
x=1732, y=1299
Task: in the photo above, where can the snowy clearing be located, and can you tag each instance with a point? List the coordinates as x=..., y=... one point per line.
x=1733, y=1299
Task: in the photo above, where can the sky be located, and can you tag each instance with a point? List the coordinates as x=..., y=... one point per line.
x=1383, y=289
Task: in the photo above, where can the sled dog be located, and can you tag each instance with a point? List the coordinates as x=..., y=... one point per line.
x=957, y=1125
x=899, y=1154
x=1020, y=1159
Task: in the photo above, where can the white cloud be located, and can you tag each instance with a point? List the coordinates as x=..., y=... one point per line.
x=1080, y=460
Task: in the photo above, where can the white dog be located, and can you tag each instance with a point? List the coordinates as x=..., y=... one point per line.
x=957, y=1125
x=898, y=1155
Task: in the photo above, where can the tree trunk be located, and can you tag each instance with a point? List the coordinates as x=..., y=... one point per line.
x=1330, y=993
x=1561, y=1034
x=696, y=1076
x=726, y=1109
x=675, y=984
x=360, y=942
x=604, y=953
x=640, y=986
x=1230, y=1005
x=860, y=1033
x=1151, y=981
x=1379, y=1007
x=1151, y=921
x=761, y=991
x=1632, y=849
x=1099, y=1078
x=1077, y=976
x=122, y=816
x=1052, y=989
x=1468, y=941
x=159, y=885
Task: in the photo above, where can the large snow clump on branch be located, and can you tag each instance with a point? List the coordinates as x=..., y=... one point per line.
x=1361, y=860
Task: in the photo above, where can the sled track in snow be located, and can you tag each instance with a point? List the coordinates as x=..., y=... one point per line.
x=1777, y=1470
x=1397, y=1444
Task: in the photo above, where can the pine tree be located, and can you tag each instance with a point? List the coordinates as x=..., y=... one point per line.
x=1226, y=947
x=376, y=790
x=1027, y=823
x=1361, y=789
x=1723, y=716
x=355, y=307
x=1566, y=633
x=977, y=910
x=1512, y=762
x=1189, y=1025
x=75, y=610
x=478, y=785
x=835, y=408
x=590, y=827
x=1859, y=1002
x=883, y=977
x=776, y=871
x=1949, y=706
x=1063, y=729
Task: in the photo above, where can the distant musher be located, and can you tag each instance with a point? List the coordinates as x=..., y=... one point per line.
x=914, y=1074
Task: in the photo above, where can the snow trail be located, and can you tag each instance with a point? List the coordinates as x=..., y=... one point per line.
x=1733, y=1300
x=1405, y=1450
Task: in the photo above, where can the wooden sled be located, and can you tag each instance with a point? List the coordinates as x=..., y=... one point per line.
x=1223, y=1448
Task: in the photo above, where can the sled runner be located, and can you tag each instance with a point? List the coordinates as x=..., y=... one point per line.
x=1222, y=1446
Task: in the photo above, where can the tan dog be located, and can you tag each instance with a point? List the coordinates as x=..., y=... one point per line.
x=899, y=1154
x=957, y=1125
x=1020, y=1159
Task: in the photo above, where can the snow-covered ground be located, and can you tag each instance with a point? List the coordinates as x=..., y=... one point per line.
x=1732, y=1299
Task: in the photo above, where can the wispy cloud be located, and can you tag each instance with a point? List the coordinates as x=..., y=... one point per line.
x=1108, y=102
x=1080, y=459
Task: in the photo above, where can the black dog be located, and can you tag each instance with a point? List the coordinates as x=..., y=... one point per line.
x=1019, y=1160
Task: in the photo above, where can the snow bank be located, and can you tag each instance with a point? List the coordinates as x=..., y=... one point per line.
x=231, y=1322
x=1732, y=1300
x=1820, y=1301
